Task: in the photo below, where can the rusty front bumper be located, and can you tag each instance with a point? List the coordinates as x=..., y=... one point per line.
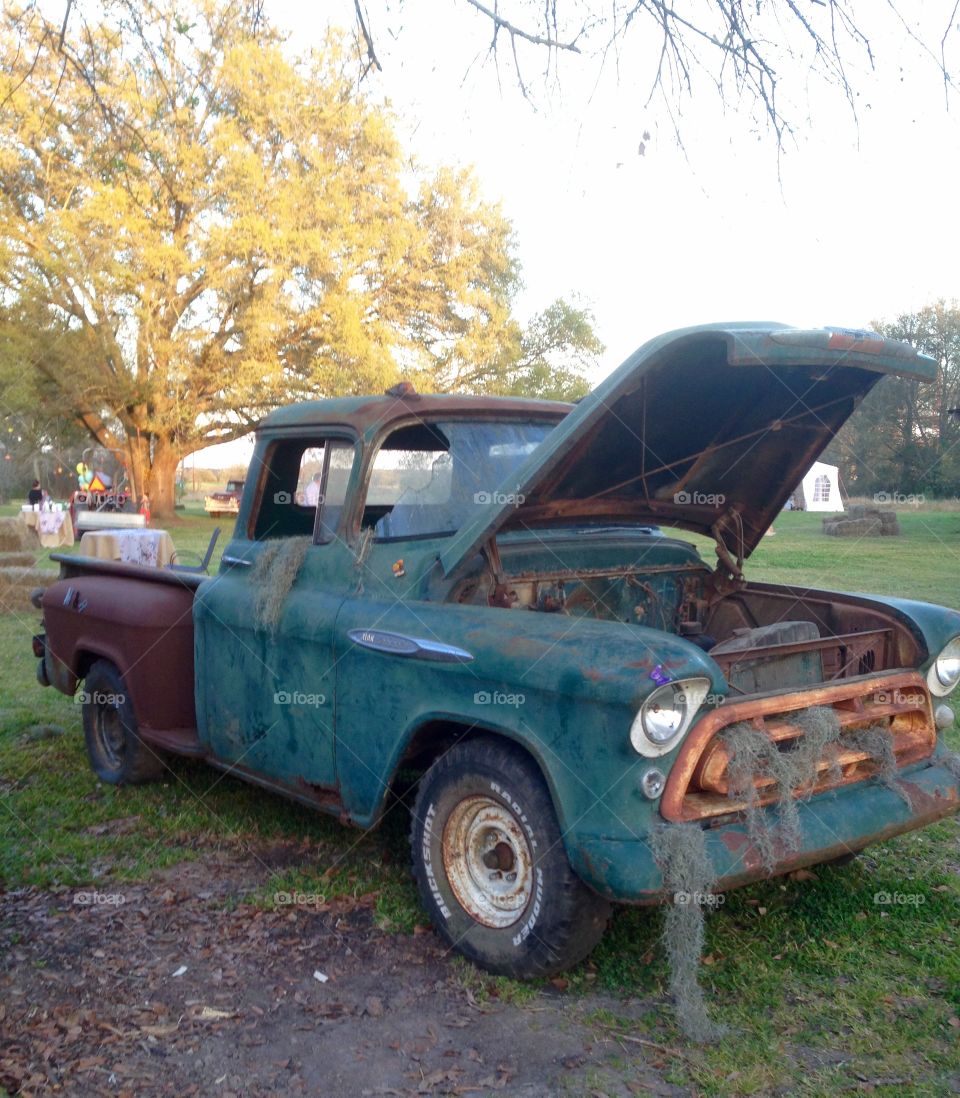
x=846, y=809
x=833, y=823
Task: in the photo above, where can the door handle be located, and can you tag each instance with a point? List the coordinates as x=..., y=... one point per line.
x=228, y=559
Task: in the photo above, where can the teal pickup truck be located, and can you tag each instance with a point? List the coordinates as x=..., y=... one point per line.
x=481, y=592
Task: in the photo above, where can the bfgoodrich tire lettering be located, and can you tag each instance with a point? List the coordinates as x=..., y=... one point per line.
x=491, y=868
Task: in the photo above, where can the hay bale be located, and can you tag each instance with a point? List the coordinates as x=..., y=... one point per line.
x=862, y=522
x=273, y=576
x=15, y=536
x=889, y=524
x=16, y=585
x=853, y=528
x=17, y=560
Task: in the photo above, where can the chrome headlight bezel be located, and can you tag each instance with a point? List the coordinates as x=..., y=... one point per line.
x=666, y=716
x=944, y=674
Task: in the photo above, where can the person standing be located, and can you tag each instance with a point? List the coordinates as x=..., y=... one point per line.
x=35, y=495
x=311, y=494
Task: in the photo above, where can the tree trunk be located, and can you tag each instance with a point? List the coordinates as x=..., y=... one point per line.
x=154, y=476
x=161, y=480
x=138, y=464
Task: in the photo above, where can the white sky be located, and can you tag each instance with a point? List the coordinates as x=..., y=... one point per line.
x=857, y=221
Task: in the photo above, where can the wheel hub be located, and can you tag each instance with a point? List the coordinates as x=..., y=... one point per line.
x=487, y=860
x=110, y=733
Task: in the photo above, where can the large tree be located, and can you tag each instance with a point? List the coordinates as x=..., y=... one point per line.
x=903, y=438
x=549, y=358
x=194, y=227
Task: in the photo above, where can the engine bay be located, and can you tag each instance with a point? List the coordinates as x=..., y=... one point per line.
x=764, y=637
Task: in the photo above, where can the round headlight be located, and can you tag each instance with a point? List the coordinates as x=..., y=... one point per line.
x=666, y=715
x=945, y=673
x=663, y=714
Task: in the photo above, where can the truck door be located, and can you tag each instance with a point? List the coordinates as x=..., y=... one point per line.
x=264, y=627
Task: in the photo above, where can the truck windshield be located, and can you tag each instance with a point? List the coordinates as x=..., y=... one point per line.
x=428, y=479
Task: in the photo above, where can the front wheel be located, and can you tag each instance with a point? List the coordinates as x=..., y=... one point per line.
x=490, y=865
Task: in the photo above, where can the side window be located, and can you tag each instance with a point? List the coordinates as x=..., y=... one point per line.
x=303, y=477
x=333, y=487
x=410, y=484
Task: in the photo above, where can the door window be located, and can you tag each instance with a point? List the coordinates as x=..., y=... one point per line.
x=303, y=489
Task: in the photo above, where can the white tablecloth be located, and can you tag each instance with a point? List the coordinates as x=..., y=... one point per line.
x=153, y=548
x=54, y=528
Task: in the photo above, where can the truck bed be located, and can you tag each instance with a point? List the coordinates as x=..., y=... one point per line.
x=141, y=620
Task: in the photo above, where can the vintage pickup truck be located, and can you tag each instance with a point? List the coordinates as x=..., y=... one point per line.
x=226, y=502
x=485, y=595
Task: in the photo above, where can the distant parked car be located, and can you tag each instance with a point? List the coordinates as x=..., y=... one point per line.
x=226, y=502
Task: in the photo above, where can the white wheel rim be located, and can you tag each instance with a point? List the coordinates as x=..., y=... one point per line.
x=487, y=861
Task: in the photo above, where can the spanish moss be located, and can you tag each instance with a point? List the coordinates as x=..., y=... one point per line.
x=688, y=877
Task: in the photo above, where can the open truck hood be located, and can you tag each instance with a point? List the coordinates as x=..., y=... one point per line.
x=708, y=428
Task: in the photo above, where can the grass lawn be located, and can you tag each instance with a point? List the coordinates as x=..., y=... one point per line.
x=823, y=989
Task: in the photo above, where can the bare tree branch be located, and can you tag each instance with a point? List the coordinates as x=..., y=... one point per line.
x=63, y=29
x=372, y=61
x=515, y=32
x=739, y=45
x=943, y=52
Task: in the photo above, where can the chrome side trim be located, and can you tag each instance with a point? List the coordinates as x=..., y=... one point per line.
x=399, y=644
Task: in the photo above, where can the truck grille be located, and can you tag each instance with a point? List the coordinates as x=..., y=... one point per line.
x=698, y=785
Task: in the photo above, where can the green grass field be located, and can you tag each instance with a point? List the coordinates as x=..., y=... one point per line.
x=823, y=988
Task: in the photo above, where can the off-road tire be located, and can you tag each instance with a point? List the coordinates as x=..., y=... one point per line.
x=490, y=865
x=116, y=752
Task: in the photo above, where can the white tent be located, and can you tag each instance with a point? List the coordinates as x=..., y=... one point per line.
x=820, y=488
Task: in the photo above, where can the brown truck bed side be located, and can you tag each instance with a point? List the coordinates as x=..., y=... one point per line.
x=141, y=620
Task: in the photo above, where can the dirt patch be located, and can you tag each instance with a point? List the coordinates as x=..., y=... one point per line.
x=172, y=987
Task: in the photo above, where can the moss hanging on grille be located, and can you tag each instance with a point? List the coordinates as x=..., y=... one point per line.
x=273, y=575
x=876, y=741
x=754, y=758
x=688, y=878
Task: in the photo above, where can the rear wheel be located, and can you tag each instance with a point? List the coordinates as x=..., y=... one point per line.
x=117, y=753
x=490, y=865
